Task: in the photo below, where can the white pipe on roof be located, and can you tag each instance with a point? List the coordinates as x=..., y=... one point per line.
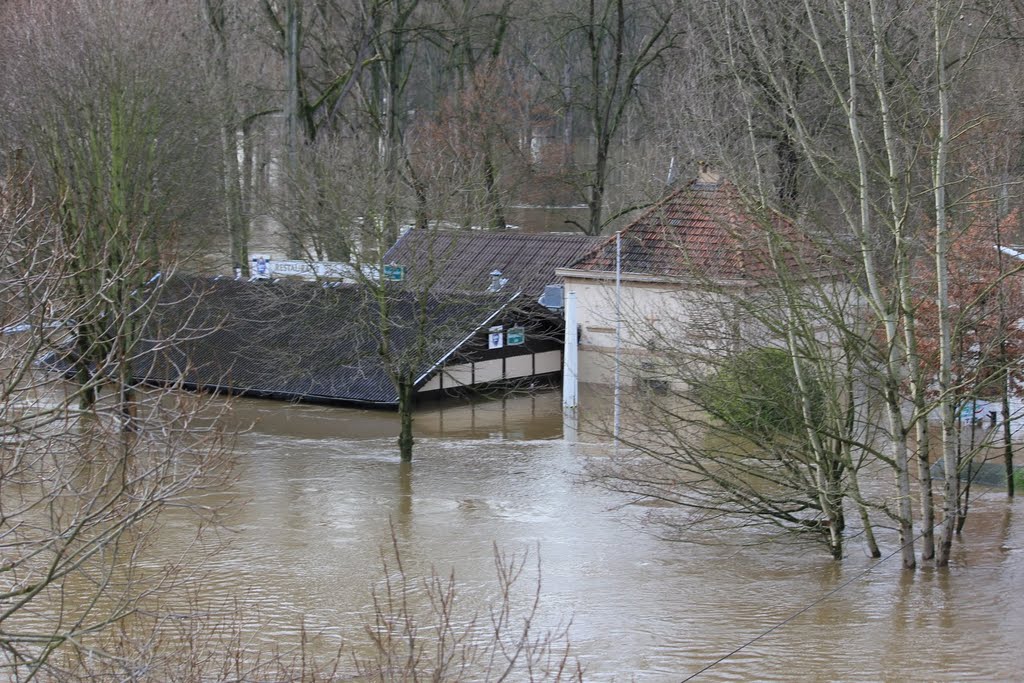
x=1010, y=251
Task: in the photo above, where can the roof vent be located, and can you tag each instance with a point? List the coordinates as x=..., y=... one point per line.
x=553, y=297
x=497, y=281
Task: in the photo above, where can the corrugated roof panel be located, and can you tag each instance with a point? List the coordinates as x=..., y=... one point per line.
x=300, y=340
x=463, y=260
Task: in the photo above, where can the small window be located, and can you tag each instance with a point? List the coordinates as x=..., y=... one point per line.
x=653, y=385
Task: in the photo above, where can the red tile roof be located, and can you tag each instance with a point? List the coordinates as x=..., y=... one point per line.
x=700, y=230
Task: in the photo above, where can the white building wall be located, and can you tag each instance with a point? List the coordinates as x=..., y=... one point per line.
x=654, y=315
x=488, y=371
x=663, y=315
x=458, y=375
x=433, y=384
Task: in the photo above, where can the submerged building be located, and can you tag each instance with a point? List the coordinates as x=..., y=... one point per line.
x=677, y=279
x=462, y=317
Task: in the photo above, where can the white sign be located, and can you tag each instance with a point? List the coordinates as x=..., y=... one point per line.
x=263, y=267
x=311, y=270
x=495, y=338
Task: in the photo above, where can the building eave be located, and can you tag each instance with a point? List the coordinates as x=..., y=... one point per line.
x=679, y=281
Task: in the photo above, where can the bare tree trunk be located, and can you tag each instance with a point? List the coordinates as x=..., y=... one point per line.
x=601, y=108
x=248, y=176
x=494, y=202
x=595, y=200
x=788, y=159
x=847, y=454
x=473, y=69
x=419, y=188
x=405, y=409
x=862, y=511
x=568, y=120
x=949, y=434
x=613, y=77
x=392, y=139
x=237, y=225
x=238, y=233
x=1007, y=431
x=964, y=500
x=292, y=112
x=925, y=487
x=83, y=374
x=1004, y=363
x=898, y=215
x=829, y=497
x=879, y=301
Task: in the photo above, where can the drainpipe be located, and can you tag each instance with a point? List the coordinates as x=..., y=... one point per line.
x=618, y=336
x=570, y=357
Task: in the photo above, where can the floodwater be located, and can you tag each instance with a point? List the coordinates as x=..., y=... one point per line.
x=324, y=494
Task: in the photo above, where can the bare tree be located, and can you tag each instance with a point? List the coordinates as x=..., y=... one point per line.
x=891, y=79
x=89, y=211
x=118, y=151
x=80, y=494
x=745, y=400
x=437, y=638
x=222, y=24
x=325, y=49
x=619, y=43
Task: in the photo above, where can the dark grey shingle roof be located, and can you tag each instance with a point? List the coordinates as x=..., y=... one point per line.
x=298, y=340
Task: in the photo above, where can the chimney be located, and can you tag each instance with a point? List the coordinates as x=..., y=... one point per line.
x=706, y=176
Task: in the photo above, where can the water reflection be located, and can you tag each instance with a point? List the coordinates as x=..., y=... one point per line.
x=326, y=492
x=533, y=416
x=403, y=516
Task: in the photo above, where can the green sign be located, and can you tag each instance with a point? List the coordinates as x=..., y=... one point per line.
x=516, y=336
x=394, y=272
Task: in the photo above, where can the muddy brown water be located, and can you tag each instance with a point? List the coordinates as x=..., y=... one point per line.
x=324, y=490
